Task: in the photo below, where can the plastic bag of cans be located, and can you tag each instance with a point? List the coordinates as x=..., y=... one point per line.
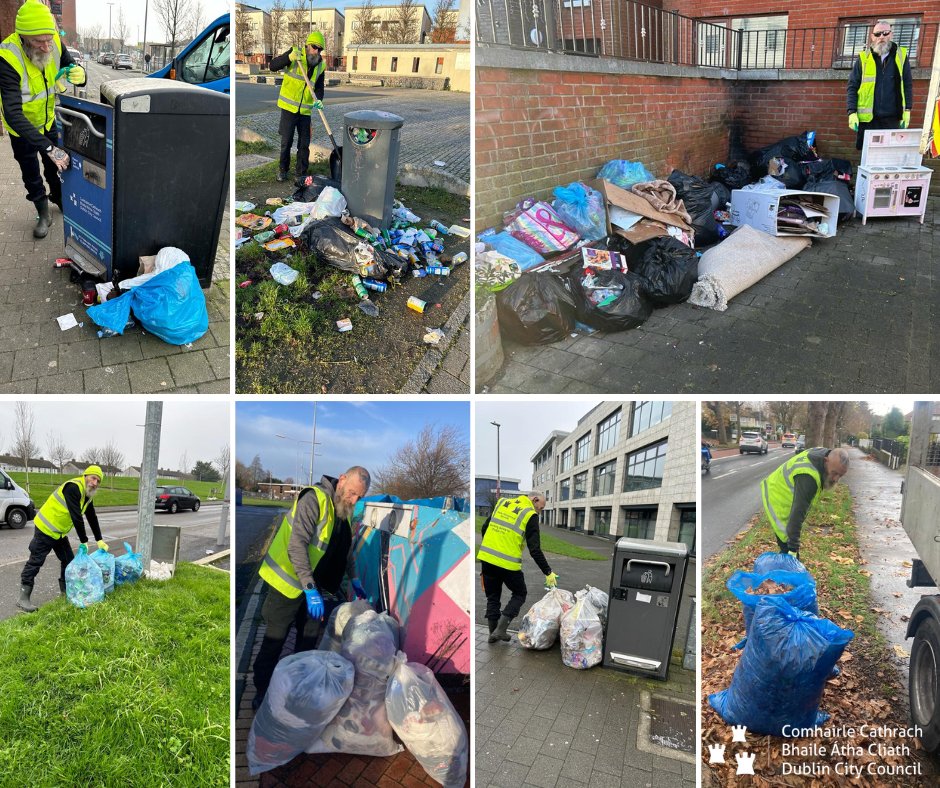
x=83, y=583
x=582, y=633
x=105, y=562
x=541, y=623
x=128, y=567
x=342, y=614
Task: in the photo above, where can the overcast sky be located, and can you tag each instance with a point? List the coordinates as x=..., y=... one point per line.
x=523, y=428
x=200, y=429
x=348, y=433
x=881, y=405
x=90, y=12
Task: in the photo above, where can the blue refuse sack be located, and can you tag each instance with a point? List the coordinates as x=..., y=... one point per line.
x=128, y=567
x=105, y=562
x=171, y=306
x=581, y=208
x=802, y=596
x=769, y=562
x=83, y=582
x=782, y=673
x=512, y=248
x=625, y=174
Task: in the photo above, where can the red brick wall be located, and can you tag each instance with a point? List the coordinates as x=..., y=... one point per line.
x=808, y=13
x=539, y=129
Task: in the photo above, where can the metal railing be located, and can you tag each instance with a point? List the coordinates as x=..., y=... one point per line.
x=629, y=30
x=896, y=452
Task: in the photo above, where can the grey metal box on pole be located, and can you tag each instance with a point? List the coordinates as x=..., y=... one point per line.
x=371, y=142
x=646, y=584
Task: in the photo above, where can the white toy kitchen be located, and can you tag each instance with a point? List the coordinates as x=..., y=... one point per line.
x=891, y=179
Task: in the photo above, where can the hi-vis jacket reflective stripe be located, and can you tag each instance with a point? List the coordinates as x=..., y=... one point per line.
x=777, y=491
x=37, y=88
x=866, y=90
x=53, y=519
x=505, y=535
x=294, y=96
x=276, y=568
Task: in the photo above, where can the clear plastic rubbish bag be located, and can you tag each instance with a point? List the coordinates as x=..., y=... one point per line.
x=128, y=567
x=542, y=621
x=582, y=634
x=427, y=722
x=83, y=583
x=341, y=615
x=105, y=562
x=306, y=691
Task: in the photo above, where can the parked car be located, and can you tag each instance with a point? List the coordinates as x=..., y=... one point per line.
x=122, y=61
x=752, y=442
x=789, y=440
x=76, y=55
x=175, y=498
x=16, y=507
x=800, y=444
x=105, y=58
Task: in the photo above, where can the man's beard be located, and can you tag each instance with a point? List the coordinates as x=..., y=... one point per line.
x=313, y=60
x=881, y=47
x=828, y=483
x=343, y=510
x=90, y=492
x=38, y=58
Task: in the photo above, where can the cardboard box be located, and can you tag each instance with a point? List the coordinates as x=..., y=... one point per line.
x=759, y=209
x=614, y=195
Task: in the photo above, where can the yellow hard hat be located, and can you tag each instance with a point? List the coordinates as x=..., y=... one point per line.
x=316, y=38
x=35, y=19
x=93, y=470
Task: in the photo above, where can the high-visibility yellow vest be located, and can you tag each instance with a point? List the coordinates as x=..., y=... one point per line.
x=53, y=519
x=777, y=491
x=276, y=568
x=294, y=96
x=37, y=88
x=866, y=90
x=505, y=534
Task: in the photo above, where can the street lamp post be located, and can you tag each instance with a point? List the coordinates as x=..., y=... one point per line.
x=498, y=479
x=109, y=25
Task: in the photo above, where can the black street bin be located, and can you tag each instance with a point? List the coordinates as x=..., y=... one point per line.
x=371, y=141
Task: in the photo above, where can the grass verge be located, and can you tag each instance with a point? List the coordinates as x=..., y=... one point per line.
x=242, y=148
x=131, y=691
x=266, y=502
x=114, y=491
x=552, y=544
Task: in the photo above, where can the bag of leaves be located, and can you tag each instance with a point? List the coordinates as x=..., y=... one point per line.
x=668, y=266
x=771, y=561
x=749, y=588
x=128, y=567
x=610, y=300
x=427, y=722
x=83, y=583
x=782, y=673
x=105, y=562
x=542, y=621
x=536, y=309
x=306, y=692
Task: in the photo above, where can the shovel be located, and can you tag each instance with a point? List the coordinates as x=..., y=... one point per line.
x=336, y=157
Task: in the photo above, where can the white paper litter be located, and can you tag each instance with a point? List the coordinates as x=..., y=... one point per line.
x=67, y=321
x=159, y=571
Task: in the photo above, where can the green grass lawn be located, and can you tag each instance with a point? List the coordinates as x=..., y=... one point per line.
x=131, y=691
x=552, y=544
x=124, y=492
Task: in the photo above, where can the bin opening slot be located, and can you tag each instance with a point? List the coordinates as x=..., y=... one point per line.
x=646, y=574
x=84, y=133
x=633, y=661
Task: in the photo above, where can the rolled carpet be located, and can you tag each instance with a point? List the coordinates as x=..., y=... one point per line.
x=739, y=261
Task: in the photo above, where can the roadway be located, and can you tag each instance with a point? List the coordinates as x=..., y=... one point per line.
x=731, y=495
x=199, y=532
x=254, y=97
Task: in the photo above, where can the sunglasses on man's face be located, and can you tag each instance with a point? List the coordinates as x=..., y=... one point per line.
x=882, y=33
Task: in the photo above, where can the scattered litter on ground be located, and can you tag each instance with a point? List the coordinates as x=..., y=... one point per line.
x=67, y=321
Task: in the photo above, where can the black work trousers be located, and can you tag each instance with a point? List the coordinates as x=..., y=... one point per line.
x=494, y=578
x=292, y=122
x=39, y=547
x=280, y=613
x=28, y=158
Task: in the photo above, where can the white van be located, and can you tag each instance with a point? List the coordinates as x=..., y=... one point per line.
x=16, y=508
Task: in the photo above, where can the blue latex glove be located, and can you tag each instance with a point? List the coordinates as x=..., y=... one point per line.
x=357, y=587
x=317, y=104
x=314, y=603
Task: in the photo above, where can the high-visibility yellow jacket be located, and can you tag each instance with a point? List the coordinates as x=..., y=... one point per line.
x=53, y=519
x=777, y=491
x=505, y=534
x=294, y=95
x=866, y=90
x=37, y=88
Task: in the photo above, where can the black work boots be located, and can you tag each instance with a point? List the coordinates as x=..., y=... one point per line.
x=499, y=632
x=41, y=230
x=24, y=602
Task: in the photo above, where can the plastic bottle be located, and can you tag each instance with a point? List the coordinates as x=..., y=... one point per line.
x=436, y=225
x=459, y=259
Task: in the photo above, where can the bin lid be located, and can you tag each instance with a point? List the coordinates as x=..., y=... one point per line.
x=649, y=547
x=373, y=119
x=164, y=96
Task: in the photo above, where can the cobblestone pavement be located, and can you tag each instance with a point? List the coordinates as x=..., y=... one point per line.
x=446, y=369
x=437, y=128
x=856, y=313
x=37, y=357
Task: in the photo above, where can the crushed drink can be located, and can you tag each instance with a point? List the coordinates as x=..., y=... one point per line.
x=436, y=225
x=417, y=304
x=375, y=284
x=418, y=273
x=360, y=290
x=439, y=270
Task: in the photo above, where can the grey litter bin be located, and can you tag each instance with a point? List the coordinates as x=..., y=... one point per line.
x=645, y=592
x=371, y=140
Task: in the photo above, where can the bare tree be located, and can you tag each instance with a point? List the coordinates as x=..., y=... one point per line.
x=59, y=453
x=184, y=464
x=120, y=27
x=223, y=462
x=298, y=23
x=815, y=423
x=244, y=35
x=25, y=446
x=406, y=25
x=368, y=28
x=718, y=408
x=112, y=458
x=833, y=419
x=174, y=14
x=784, y=412
x=197, y=18
x=435, y=463
x=92, y=456
x=91, y=37
x=444, y=22
x=278, y=14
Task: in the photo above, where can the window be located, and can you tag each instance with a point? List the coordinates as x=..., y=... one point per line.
x=580, y=485
x=583, y=449
x=578, y=519
x=415, y=64
x=687, y=528
x=763, y=40
x=563, y=518
x=639, y=523
x=645, y=468
x=208, y=61
x=566, y=460
x=355, y=66
x=602, y=522
x=604, y=478
x=564, y=492
x=394, y=67
x=649, y=414
x=607, y=433
x=906, y=33
x=375, y=64
x=439, y=68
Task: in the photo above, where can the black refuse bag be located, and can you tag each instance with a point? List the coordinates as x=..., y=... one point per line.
x=335, y=243
x=793, y=177
x=312, y=192
x=734, y=175
x=701, y=201
x=536, y=309
x=630, y=309
x=796, y=148
x=838, y=188
x=613, y=243
x=667, y=266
